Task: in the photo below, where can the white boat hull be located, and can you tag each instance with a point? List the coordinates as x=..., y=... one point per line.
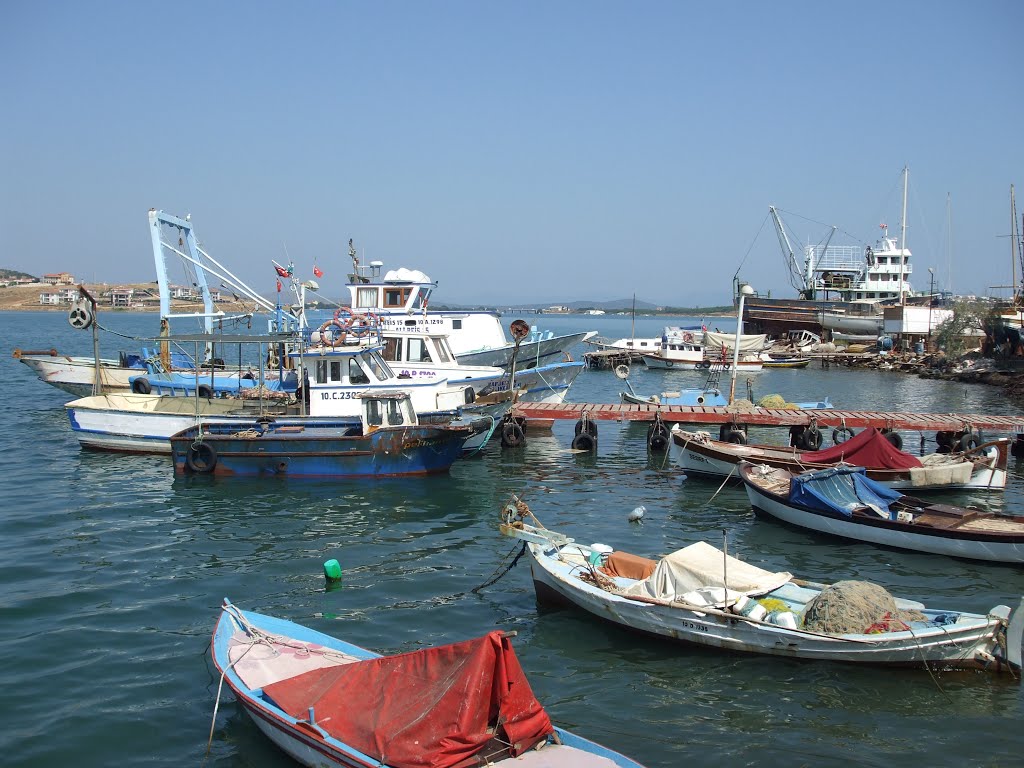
x=531, y=353
x=934, y=543
x=950, y=645
x=75, y=375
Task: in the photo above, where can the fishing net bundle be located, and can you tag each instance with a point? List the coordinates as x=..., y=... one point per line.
x=855, y=607
x=774, y=401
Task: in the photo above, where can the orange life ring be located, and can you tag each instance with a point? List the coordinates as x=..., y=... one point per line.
x=360, y=325
x=339, y=337
x=347, y=312
x=688, y=337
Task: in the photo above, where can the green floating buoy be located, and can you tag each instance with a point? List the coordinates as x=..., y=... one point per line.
x=332, y=572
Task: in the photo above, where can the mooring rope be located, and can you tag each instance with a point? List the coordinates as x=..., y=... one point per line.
x=494, y=578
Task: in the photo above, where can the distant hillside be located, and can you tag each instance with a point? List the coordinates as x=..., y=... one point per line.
x=12, y=274
x=615, y=306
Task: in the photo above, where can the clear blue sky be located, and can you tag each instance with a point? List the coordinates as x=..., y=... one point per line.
x=541, y=151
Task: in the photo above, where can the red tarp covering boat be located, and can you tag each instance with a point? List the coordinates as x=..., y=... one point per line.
x=426, y=709
x=868, y=449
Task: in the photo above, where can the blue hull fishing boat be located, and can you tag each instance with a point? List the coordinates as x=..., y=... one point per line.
x=327, y=702
x=388, y=442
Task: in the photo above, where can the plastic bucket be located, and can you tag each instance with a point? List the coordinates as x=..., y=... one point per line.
x=599, y=554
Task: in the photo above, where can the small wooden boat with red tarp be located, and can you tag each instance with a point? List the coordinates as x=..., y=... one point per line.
x=982, y=468
x=328, y=702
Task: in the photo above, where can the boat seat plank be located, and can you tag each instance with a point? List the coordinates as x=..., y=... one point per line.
x=562, y=756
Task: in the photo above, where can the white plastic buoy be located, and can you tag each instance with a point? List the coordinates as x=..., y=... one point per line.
x=637, y=515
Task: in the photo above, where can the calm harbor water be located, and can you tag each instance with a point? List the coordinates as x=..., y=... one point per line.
x=112, y=571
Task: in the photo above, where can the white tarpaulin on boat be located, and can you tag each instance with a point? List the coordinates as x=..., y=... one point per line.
x=702, y=565
x=749, y=342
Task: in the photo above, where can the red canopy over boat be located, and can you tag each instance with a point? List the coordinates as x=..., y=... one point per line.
x=869, y=449
x=426, y=709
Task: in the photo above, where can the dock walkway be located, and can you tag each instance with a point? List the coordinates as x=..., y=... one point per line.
x=772, y=417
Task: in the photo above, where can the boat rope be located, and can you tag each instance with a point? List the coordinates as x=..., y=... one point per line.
x=490, y=431
x=509, y=567
x=924, y=658
x=723, y=484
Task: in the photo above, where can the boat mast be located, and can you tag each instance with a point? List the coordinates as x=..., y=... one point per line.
x=632, y=330
x=903, y=234
x=1013, y=248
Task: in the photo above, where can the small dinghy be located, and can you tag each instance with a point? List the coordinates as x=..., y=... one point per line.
x=328, y=702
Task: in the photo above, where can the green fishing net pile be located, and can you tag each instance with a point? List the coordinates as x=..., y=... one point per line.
x=774, y=401
x=851, y=607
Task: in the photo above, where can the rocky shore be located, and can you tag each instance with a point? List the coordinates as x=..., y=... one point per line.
x=969, y=369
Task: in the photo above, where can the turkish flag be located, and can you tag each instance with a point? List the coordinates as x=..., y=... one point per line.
x=317, y=272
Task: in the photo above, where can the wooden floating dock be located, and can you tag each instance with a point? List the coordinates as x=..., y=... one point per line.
x=771, y=417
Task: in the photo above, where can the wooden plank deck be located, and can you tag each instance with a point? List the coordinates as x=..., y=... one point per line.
x=772, y=417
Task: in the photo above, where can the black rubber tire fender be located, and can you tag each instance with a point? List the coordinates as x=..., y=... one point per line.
x=201, y=458
x=584, y=442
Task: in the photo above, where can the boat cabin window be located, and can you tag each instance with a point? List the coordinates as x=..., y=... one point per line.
x=456, y=325
x=356, y=375
x=366, y=297
x=328, y=370
x=418, y=352
x=374, y=413
x=378, y=366
x=396, y=297
x=392, y=349
x=395, y=417
x=442, y=351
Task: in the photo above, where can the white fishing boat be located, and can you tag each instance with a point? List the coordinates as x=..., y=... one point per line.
x=401, y=298
x=334, y=379
x=841, y=287
x=701, y=595
x=428, y=356
x=843, y=501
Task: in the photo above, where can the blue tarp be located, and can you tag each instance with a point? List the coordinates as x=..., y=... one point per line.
x=841, y=490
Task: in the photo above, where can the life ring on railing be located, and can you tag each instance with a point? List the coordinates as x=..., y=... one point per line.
x=343, y=315
x=688, y=337
x=360, y=325
x=338, y=338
